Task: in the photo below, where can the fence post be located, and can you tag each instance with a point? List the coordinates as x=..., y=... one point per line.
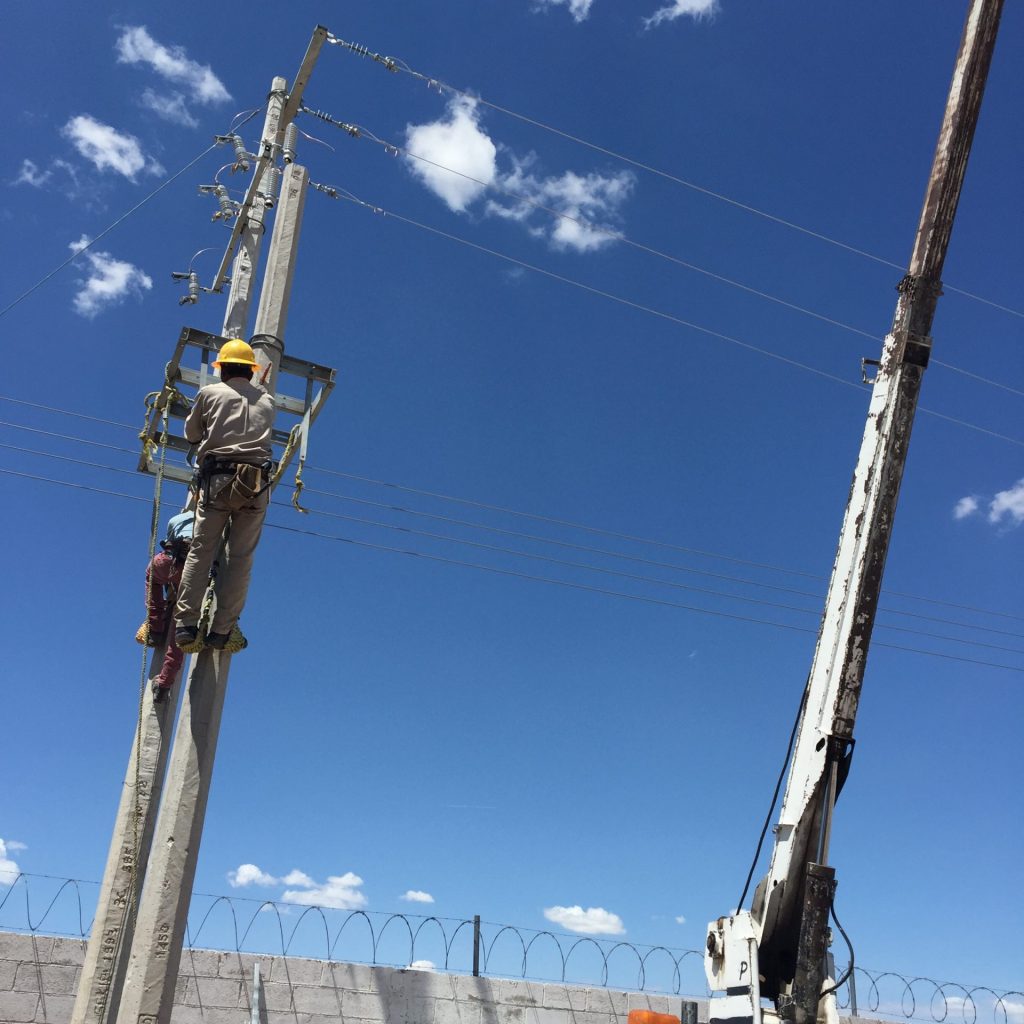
x=476, y=945
x=853, y=991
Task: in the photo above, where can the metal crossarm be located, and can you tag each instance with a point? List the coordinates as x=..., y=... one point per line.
x=182, y=381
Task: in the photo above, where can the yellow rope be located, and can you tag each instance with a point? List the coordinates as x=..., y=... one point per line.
x=298, y=490
x=160, y=401
x=289, y=449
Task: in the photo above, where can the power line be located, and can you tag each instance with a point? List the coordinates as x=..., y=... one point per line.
x=124, y=216
x=339, y=193
x=106, y=231
x=70, y=437
x=396, y=64
x=350, y=197
x=540, y=579
x=675, y=567
x=67, y=412
x=636, y=578
x=597, y=531
x=359, y=131
x=564, y=563
x=630, y=597
x=77, y=487
x=519, y=535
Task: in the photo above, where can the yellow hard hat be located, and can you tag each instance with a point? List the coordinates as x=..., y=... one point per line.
x=235, y=351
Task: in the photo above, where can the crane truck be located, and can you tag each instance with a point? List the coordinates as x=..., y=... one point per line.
x=770, y=963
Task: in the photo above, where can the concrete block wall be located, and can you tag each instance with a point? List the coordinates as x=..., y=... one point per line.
x=39, y=978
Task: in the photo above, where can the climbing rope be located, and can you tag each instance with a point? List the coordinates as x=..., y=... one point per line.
x=206, y=611
x=160, y=401
x=296, y=438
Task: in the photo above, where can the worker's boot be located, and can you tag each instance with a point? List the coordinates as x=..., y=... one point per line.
x=188, y=639
x=160, y=693
x=232, y=642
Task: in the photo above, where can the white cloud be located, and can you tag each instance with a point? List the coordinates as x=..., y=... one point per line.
x=249, y=874
x=980, y=1005
x=422, y=965
x=170, y=108
x=109, y=281
x=417, y=896
x=1014, y=1011
x=1008, y=504
x=457, y=160
x=340, y=892
x=297, y=877
x=107, y=148
x=582, y=200
x=680, y=919
x=592, y=921
x=30, y=174
x=965, y=507
x=136, y=46
x=457, y=142
x=9, y=871
x=579, y=9
x=696, y=9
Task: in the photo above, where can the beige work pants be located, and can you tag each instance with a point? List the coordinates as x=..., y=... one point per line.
x=213, y=513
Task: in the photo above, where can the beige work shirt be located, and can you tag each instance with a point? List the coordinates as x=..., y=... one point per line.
x=233, y=420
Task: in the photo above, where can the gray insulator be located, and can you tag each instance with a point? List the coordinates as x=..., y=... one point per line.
x=193, y=290
x=227, y=208
x=271, y=185
x=291, y=139
x=241, y=155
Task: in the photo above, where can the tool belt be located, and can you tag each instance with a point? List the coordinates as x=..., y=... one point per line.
x=248, y=479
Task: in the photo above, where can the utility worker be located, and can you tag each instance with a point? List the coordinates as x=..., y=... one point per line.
x=163, y=576
x=231, y=421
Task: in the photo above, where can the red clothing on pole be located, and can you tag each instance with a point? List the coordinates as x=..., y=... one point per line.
x=163, y=578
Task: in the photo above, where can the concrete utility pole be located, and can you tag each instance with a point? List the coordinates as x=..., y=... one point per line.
x=781, y=941
x=107, y=954
x=268, y=339
x=152, y=971
x=243, y=274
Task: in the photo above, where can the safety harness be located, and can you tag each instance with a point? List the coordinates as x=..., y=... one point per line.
x=248, y=479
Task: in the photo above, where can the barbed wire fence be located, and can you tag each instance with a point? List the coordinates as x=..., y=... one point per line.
x=47, y=905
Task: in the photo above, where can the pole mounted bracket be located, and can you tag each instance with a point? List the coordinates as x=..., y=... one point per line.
x=865, y=362
x=912, y=349
x=316, y=382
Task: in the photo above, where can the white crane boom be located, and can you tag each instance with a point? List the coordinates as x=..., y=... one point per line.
x=777, y=949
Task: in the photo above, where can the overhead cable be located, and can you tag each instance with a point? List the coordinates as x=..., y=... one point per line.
x=531, y=537
x=67, y=412
x=537, y=517
x=398, y=65
x=563, y=563
x=110, y=227
x=527, y=576
x=654, y=563
x=341, y=193
x=358, y=131
x=636, y=578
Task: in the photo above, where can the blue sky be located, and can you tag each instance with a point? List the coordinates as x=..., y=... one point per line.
x=506, y=745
